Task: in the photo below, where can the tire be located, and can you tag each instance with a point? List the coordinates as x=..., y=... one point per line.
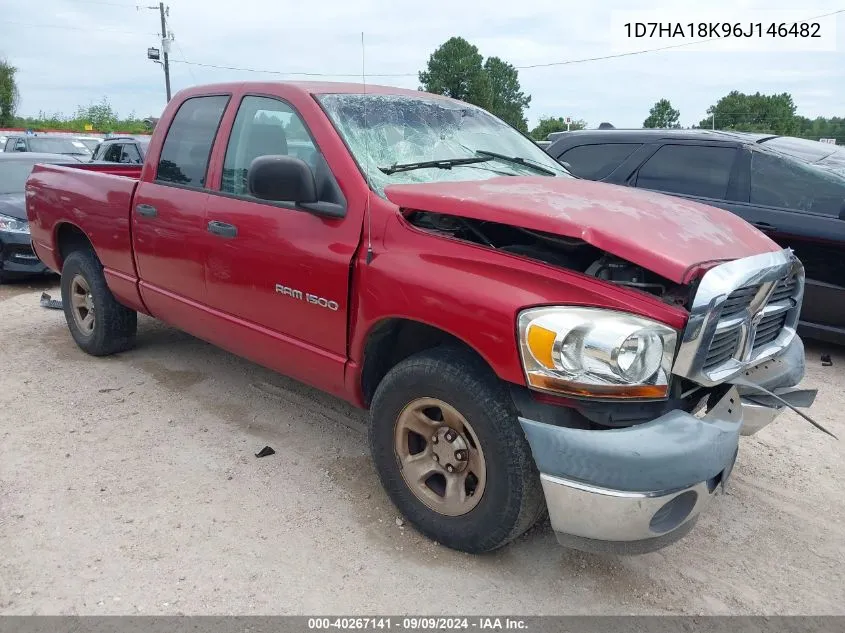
x=512, y=499
x=114, y=325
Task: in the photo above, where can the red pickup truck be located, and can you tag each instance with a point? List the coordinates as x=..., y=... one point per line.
x=524, y=340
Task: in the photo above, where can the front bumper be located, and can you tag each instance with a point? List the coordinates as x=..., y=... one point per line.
x=17, y=256
x=636, y=489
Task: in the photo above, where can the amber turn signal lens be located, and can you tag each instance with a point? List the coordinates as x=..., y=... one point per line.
x=557, y=385
x=541, y=342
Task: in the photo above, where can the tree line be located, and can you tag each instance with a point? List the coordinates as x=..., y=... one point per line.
x=457, y=69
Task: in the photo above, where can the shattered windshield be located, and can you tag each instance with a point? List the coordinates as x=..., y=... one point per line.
x=403, y=130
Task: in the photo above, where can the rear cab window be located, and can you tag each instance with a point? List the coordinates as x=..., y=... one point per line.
x=187, y=146
x=112, y=153
x=778, y=181
x=597, y=161
x=129, y=154
x=695, y=170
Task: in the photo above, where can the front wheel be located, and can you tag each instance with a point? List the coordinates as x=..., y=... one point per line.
x=450, y=452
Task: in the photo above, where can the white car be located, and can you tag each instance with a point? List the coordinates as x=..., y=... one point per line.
x=2, y=142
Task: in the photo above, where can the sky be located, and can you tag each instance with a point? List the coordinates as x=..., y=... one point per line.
x=75, y=52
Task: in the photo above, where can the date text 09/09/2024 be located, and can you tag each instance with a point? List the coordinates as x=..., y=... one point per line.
x=423, y=623
x=722, y=29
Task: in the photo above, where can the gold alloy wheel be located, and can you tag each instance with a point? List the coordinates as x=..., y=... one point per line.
x=82, y=304
x=440, y=456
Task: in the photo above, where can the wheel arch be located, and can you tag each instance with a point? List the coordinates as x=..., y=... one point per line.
x=68, y=237
x=393, y=339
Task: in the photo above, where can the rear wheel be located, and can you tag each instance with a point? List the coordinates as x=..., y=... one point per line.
x=450, y=452
x=98, y=323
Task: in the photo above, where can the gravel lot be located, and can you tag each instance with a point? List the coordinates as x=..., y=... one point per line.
x=129, y=485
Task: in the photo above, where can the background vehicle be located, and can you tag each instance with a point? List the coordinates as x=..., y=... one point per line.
x=514, y=337
x=122, y=149
x=91, y=142
x=47, y=144
x=17, y=258
x=2, y=143
x=791, y=189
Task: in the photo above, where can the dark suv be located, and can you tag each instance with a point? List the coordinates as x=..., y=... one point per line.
x=790, y=188
x=121, y=149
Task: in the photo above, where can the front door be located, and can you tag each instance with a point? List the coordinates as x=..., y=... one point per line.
x=280, y=273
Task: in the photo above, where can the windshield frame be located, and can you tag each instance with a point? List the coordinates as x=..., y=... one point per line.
x=545, y=160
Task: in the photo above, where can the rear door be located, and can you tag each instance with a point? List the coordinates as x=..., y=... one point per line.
x=168, y=217
x=702, y=172
x=801, y=207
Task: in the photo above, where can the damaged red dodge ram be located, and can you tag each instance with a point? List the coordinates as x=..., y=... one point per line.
x=525, y=341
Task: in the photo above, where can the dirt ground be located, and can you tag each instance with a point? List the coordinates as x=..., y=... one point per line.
x=129, y=485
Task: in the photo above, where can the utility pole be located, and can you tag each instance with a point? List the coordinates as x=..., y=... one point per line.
x=165, y=47
x=713, y=125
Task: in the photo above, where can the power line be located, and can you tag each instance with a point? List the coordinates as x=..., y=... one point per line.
x=107, y=4
x=279, y=72
x=650, y=50
x=522, y=67
x=76, y=28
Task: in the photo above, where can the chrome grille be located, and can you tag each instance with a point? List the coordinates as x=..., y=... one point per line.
x=722, y=348
x=738, y=300
x=785, y=289
x=769, y=329
x=728, y=337
x=744, y=312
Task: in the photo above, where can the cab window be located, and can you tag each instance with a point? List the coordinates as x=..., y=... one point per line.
x=264, y=127
x=187, y=146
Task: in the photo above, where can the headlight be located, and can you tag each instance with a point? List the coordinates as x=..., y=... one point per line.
x=13, y=225
x=595, y=352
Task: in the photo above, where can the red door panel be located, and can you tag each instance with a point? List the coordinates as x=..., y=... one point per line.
x=285, y=270
x=170, y=240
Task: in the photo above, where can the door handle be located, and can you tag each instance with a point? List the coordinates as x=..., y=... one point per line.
x=222, y=229
x=146, y=210
x=763, y=226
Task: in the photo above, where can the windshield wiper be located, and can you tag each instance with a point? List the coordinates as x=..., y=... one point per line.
x=517, y=160
x=446, y=163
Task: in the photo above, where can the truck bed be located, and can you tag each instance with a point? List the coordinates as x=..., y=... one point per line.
x=93, y=199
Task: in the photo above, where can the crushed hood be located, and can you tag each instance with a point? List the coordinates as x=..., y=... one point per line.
x=667, y=235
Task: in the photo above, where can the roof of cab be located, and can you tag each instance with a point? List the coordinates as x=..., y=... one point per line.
x=310, y=87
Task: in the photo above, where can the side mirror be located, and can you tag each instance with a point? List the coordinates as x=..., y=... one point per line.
x=282, y=179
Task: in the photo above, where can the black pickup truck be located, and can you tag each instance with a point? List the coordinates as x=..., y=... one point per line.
x=791, y=189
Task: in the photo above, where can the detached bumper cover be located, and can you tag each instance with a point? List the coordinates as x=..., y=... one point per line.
x=637, y=489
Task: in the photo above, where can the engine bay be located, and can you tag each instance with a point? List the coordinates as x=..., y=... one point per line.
x=564, y=252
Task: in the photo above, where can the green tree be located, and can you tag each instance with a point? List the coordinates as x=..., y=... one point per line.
x=547, y=125
x=456, y=69
x=8, y=93
x=754, y=113
x=101, y=115
x=663, y=115
x=507, y=101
